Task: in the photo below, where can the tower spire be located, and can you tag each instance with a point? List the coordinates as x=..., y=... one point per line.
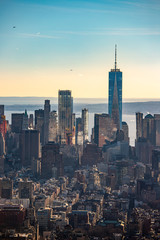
x=115, y=57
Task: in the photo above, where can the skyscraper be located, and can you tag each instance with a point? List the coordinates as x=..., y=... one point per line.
x=47, y=109
x=6, y=188
x=25, y=121
x=17, y=122
x=73, y=128
x=139, y=125
x=25, y=189
x=52, y=126
x=52, y=162
x=65, y=110
x=30, y=121
x=85, y=124
x=115, y=94
x=1, y=110
x=148, y=128
x=2, y=144
x=39, y=123
x=79, y=131
x=39, y=114
x=104, y=129
x=125, y=131
x=157, y=129
x=29, y=146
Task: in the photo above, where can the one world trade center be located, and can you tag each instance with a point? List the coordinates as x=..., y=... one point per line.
x=115, y=94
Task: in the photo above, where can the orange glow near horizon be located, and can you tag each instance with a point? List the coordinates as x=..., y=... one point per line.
x=138, y=82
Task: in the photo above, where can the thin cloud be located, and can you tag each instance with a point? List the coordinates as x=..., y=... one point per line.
x=132, y=31
x=114, y=31
x=97, y=32
x=37, y=35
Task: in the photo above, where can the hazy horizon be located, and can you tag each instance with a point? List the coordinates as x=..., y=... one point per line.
x=27, y=99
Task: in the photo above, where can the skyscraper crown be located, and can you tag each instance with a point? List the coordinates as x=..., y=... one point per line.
x=115, y=69
x=115, y=57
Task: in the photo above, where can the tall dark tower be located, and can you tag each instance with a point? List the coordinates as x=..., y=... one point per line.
x=139, y=125
x=47, y=109
x=115, y=94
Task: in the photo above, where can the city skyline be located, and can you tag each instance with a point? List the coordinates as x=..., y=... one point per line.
x=68, y=45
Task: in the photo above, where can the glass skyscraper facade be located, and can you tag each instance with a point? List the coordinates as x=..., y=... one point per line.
x=115, y=95
x=65, y=110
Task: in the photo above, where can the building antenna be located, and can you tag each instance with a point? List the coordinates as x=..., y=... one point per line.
x=115, y=57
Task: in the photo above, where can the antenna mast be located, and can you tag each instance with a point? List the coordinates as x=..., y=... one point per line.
x=115, y=57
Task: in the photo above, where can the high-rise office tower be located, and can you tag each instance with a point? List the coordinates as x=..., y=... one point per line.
x=79, y=131
x=53, y=126
x=92, y=155
x=125, y=131
x=39, y=123
x=104, y=129
x=2, y=145
x=156, y=160
x=17, y=122
x=65, y=110
x=2, y=158
x=52, y=163
x=47, y=108
x=25, y=121
x=30, y=121
x=139, y=125
x=73, y=128
x=157, y=129
x=43, y=217
x=73, y=120
x=85, y=124
x=25, y=189
x=3, y=122
x=148, y=128
x=3, y=130
x=6, y=188
x=38, y=114
x=29, y=146
x=1, y=110
x=144, y=150
x=3, y=126
x=12, y=216
x=115, y=94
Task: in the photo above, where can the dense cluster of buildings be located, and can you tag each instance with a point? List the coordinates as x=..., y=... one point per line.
x=56, y=183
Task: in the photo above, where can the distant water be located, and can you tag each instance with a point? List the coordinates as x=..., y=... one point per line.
x=130, y=106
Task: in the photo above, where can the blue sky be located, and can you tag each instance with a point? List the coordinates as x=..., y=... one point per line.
x=52, y=37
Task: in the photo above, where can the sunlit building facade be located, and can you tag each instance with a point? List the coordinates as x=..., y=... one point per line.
x=85, y=124
x=65, y=110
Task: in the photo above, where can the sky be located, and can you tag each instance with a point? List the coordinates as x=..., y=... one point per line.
x=47, y=45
